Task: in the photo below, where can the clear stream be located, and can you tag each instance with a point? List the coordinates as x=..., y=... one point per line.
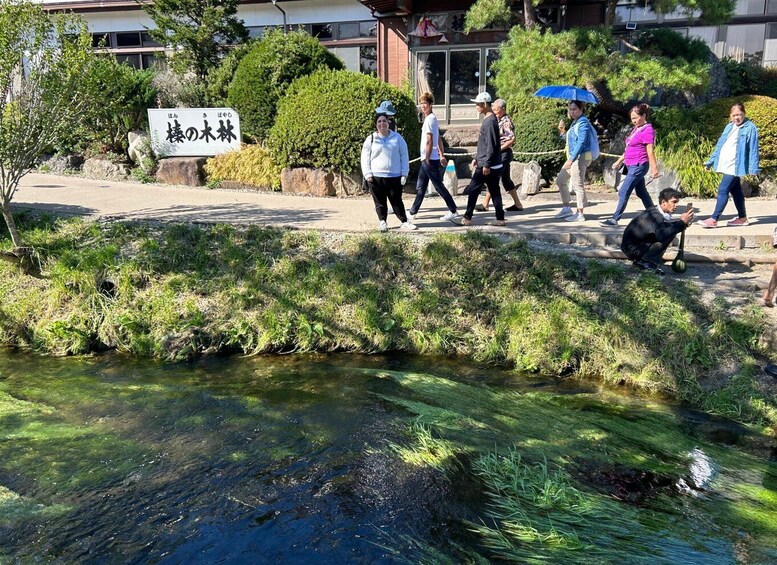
x=320, y=459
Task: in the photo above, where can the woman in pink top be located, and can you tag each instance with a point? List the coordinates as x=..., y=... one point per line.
x=638, y=158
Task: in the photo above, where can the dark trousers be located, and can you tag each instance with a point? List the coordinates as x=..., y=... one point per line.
x=730, y=184
x=655, y=252
x=431, y=172
x=390, y=188
x=475, y=187
x=634, y=181
x=507, y=160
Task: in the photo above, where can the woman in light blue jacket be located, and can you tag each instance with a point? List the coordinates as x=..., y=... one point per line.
x=735, y=155
x=582, y=148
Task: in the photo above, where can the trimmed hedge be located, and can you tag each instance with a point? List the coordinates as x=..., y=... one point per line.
x=325, y=117
x=251, y=165
x=536, y=132
x=265, y=73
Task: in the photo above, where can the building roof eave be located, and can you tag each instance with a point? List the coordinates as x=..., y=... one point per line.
x=387, y=8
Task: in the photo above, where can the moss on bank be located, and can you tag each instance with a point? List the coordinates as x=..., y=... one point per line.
x=179, y=291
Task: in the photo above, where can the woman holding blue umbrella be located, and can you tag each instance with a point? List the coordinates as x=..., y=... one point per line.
x=582, y=147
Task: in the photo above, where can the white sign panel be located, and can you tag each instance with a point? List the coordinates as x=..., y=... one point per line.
x=193, y=132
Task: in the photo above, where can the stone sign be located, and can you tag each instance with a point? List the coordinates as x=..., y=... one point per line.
x=193, y=132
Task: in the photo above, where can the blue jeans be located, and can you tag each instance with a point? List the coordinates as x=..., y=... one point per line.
x=730, y=184
x=431, y=172
x=635, y=180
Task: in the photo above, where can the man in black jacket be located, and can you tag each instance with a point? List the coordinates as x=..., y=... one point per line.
x=649, y=234
x=487, y=163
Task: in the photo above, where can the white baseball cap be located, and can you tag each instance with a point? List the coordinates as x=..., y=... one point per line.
x=482, y=98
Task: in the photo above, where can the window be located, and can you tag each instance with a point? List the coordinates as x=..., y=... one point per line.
x=771, y=7
x=255, y=32
x=322, y=31
x=101, y=40
x=749, y=7
x=368, y=28
x=148, y=41
x=745, y=41
x=349, y=30
x=133, y=60
x=368, y=60
x=152, y=61
x=708, y=35
x=128, y=39
x=770, y=46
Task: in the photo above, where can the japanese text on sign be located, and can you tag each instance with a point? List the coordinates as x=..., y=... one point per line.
x=195, y=132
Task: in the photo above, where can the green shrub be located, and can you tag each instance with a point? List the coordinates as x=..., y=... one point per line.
x=669, y=43
x=125, y=94
x=251, y=165
x=177, y=91
x=537, y=132
x=325, y=117
x=749, y=77
x=264, y=74
x=219, y=78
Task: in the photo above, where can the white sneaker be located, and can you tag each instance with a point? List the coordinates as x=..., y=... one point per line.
x=411, y=217
x=576, y=217
x=408, y=226
x=565, y=211
x=383, y=226
x=450, y=217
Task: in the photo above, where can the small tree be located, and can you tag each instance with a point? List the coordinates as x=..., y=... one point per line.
x=44, y=61
x=200, y=31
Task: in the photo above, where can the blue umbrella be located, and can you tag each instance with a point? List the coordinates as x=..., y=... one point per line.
x=566, y=93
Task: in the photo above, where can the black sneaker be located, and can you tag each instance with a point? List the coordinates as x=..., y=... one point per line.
x=659, y=271
x=480, y=208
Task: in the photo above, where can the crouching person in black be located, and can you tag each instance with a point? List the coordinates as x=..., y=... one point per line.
x=649, y=234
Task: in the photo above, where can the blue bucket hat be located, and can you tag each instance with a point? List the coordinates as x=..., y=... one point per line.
x=386, y=107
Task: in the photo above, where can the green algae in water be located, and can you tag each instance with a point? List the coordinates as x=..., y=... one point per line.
x=335, y=456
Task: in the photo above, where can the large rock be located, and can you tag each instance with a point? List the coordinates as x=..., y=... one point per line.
x=61, y=163
x=99, y=168
x=532, y=174
x=461, y=136
x=348, y=185
x=182, y=170
x=139, y=150
x=315, y=182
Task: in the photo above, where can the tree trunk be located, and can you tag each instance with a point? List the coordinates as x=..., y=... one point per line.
x=606, y=100
x=609, y=12
x=529, y=15
x=9, y=221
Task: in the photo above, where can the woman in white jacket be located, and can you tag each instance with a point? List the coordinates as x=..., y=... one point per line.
x=385, y=165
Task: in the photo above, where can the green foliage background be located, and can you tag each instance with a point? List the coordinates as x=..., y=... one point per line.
x=125, y=95
x=537, y=132
x=325, y=117
x=265, y=73
x=582, y=56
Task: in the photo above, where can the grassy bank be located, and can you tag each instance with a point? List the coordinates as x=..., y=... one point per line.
x=179, y=291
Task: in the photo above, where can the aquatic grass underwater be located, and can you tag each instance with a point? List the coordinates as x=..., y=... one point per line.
x=590, y=478
x=178, y=292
